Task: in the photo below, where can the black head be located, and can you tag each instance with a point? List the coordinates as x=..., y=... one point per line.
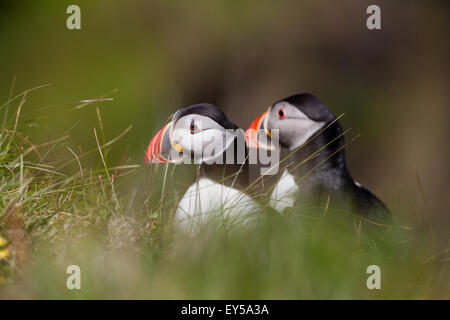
x=310, y=105
x=207, y=110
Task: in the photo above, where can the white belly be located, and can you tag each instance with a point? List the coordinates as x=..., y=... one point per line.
x=208, y=201
x=284, y=193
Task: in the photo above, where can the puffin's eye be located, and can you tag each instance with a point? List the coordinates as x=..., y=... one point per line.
x=281, y=113
x=193, y=128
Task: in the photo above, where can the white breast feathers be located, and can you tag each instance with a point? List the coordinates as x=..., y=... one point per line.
x=284, y=193
x=208, y=201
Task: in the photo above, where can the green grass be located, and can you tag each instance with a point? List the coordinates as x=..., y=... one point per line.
x=114, y=223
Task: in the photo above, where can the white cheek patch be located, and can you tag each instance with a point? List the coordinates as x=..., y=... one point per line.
x=206, y=146
x=192, y=144
x=297, y=127
x=306, y=129
x=215, y=143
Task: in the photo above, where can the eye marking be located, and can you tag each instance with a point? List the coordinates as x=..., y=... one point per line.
x=193, y=128
x=281, y=113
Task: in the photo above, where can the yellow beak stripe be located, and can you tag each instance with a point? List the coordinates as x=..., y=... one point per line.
x=178, y=148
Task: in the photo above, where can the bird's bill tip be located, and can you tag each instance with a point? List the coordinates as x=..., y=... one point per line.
x=253, y=132
x=153, y=154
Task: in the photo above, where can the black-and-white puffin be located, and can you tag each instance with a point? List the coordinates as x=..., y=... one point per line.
x=204, y=135
x=314, y=138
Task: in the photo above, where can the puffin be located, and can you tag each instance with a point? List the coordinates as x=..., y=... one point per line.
x=314, y=141
x=201, y=134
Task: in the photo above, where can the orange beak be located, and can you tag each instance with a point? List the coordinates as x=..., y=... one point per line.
x=153, y=154
x=252, y=134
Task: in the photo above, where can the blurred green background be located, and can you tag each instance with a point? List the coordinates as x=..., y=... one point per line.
x=392, y=83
